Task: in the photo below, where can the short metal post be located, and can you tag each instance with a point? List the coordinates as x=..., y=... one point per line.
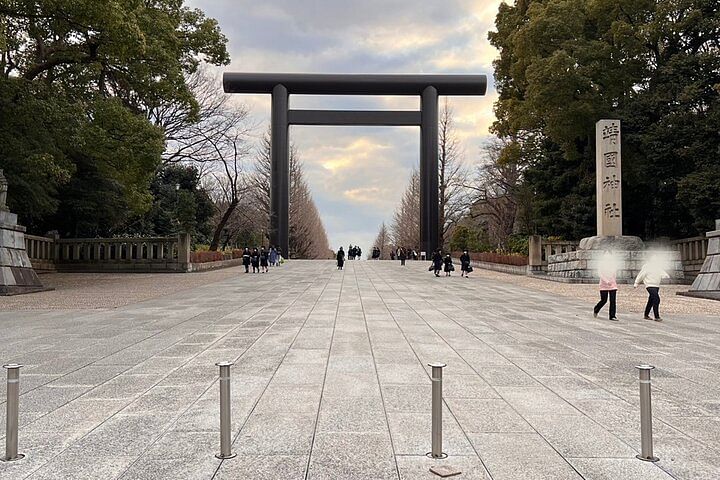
x=13, y=404
x=225, y=441
x=646, y=415
x=437, y=371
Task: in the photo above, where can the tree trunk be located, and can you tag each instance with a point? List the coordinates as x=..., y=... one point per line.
x=221, y=225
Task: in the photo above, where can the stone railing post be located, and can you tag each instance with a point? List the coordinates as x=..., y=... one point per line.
x=184, y=251
x=534, y=254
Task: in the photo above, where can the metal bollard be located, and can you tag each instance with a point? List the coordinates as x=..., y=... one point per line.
x=437, y=370
x=225, y=441
x=13, y=403
x=646, y=415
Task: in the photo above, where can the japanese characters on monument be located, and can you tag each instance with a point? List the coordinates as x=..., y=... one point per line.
x=609, y=179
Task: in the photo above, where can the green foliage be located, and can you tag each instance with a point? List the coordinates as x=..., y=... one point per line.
x=564, y=64
x=517, y=244
x=467, y=238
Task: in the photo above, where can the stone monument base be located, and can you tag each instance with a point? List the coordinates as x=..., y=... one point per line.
x=16, y=273
x=582, y=266
x=707, y=283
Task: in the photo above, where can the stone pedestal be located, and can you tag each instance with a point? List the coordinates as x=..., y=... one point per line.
x=16, y=273
x=535, y=255
x=707, y=283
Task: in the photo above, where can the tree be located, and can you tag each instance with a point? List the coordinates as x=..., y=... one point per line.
x=451, y=174
x=382, y=241
x=405, y=227
x=654, y=65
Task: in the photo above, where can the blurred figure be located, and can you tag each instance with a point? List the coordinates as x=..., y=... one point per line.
x=263, y=260
x=402, y=255
x=449, y=267
x=465, y=267
x=246, y=259
x=272, y=257
x=608, y=285
x=651, y=276
x=340, y=259
x=255, y=260
x=437, y=262
x=358, y=253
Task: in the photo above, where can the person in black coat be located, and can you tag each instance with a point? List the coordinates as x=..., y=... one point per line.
x=449, y=267
x=246, y=259
x=263, y=260
x=437, y=260
x=402, y=255
x=255, y=260
x=340, y=259
x=465, y=264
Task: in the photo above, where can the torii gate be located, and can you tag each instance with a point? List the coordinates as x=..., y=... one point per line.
x=282, y=85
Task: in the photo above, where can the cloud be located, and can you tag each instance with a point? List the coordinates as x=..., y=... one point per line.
x=358, y=174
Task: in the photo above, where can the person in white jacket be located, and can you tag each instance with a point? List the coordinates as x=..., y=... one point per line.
x=651, y=275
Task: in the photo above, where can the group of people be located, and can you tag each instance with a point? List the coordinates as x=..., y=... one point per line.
x=261, y=259
x=445, y=263
x=353, y=252
x=402, y=254
x=651, y=275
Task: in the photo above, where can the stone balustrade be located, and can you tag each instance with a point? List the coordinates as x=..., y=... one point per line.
x=556, y=247
x=692, y=254
x=41, y=251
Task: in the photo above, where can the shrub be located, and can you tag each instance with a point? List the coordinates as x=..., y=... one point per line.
x=204, y=257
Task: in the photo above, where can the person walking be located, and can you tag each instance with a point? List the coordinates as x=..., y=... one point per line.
x=465, y=267
x=246, y=259
x=340, y=259
x=255, y=260
x=449, y=267
x=608, y=285
x=263, y=260
x=651, y=275
x=402, y=255
x=437, y=262
x=272, y=257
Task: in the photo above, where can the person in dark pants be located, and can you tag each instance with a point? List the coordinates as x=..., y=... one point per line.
x=651, y=276
x=255, y=260
x=402, y=255
x=437, y=261
x=246, y=259
x=608, y=285
x=465, y=264
x=340, y=259
x=263, y=260
x=449, y=267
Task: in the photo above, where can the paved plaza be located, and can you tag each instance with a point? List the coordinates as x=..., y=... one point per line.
x=330, y=380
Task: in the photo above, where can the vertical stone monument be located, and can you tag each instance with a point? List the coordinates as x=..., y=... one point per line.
x=582, y=265
x=707, y=283
x=16, y=272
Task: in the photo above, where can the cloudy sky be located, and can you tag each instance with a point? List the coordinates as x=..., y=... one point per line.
x=357, y=174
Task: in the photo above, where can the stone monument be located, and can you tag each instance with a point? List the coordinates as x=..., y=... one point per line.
x=581, y=266
x=707, y=283
x=16, y=272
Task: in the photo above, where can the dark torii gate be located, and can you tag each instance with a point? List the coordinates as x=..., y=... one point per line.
x=428, y=87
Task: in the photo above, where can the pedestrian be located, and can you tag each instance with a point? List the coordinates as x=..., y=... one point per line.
x=437, y=262
x=255, y=260
x=651, y=275
x=608, y=285
x=465, y=267
x=402, y=255
x=246, y=259
x=449, y=267
x=279, y=257
x=263, y=260
x=272, y=256
x=358, y=253
x=340, y=259
x=392, y=254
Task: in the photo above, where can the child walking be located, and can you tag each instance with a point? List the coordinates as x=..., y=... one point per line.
x=651, y=276
x=608, y=285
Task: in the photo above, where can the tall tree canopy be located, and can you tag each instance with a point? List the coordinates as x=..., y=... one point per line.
x=77, y=80
x=564, y=64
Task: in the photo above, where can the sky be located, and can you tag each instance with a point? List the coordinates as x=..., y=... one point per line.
x=358, y=174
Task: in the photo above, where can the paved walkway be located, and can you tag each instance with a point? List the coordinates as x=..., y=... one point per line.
x=331, y=382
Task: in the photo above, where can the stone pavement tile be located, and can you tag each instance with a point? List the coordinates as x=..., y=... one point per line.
x=299, y=374
x=407, y=398
x=351, y=384
x=90, y=375
x=686, y=458
x=487, y=416
x=306, y=356
x=411, y=434
x=154, y=468
x=163, y=400
x=703, y=429
x=352, y=456
x=275, y=433
x=480, y=359
x=76, y=464
x=352, y=414
x=28, y=382
x=46, y=399
x=289, y=398
x=574, y=387
x=179, y=445
x=521, y=456
x=467, y=386
x=351, y=363
x=264, y=467
x=77, y=417
x=413, y=467
x=618, y=468
x=60, y=365
x=38, y=448
x=123, y=435
x=505, y=376
x=536, y=401
x=401, y=374
x=124, y=386
x=579, y=436
x=541, y=366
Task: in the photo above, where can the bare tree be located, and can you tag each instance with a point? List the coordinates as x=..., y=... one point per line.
x=405, y=227
x=382, y=241
x=451, y=175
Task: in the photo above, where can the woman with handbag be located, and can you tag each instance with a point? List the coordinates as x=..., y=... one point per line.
x=465, y=264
